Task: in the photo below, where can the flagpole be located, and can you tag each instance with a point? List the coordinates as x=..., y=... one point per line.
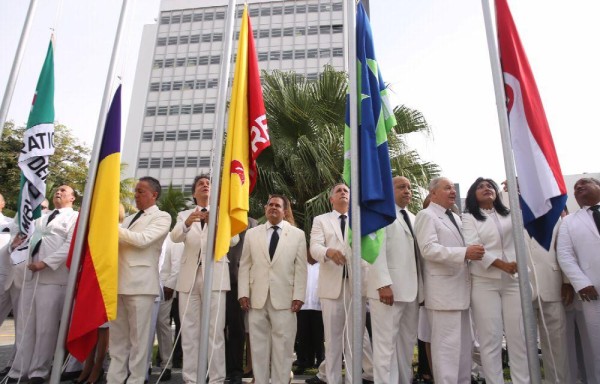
x=516, y=216
x=220, y=113
x=14, y=71
x=357, y=328
x=59, y=352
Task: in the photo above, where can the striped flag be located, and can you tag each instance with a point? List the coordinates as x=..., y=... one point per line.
x=247, y=137
x=38, y=146
x=96, y=295
x=376, y=119
x=542, y=188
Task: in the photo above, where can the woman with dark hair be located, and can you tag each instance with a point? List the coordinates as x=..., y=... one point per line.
x=495, y=299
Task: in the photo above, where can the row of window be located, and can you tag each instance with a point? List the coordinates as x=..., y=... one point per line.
x=186, y=188
x=257, y=33
x=174, y=162
x=191, y=61
x=253, y=12
x=187, y=84
x=194, y=134
x=186, y=109
x=262, y=56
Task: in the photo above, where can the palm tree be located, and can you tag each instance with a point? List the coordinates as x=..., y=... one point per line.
x=172, y=201
x=306, y=128
x=126, y=194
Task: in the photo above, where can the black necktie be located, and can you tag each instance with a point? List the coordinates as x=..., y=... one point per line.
x=274, y=241
x=137, y=216
x=453, y=220
x=343, y=225
x=36, y=249
x=406, y=219
x=596, y=215
x=202, y=222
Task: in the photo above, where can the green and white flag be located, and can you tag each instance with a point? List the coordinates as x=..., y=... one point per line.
x=38, y=146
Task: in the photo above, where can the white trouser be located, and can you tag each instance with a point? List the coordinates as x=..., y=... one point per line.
x=37, y=328
x=9, y=301
x=394, y=338
x=128, y=340
x=272, y=337
x=164, y=333
x=367, y=361
x=591, y=314
x=451, y=346
x=496, y=306
x=579, y=349
x=553, y=339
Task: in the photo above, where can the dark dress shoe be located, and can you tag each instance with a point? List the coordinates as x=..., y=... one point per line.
x=366, y=381
x=5, y=371
x=166, y=376
x=37, y=380
x=248, y=375
x=314, y=380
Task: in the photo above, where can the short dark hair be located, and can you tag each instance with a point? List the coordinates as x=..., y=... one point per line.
x=196, y=179
x=153, y=183
x=472, y=206
x=282, y=197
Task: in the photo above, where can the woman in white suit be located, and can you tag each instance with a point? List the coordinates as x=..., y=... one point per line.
x=495, y=299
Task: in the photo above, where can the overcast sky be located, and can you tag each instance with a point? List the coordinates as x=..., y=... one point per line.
x=432, y=52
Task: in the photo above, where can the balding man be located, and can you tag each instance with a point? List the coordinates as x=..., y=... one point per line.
x=577, y=250
x=394, y=289
x=140, y=243
x=447, y=283
x=44, y=289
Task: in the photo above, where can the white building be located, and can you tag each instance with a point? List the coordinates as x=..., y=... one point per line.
x=171, y=122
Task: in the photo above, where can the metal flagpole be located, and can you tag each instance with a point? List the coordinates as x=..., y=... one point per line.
x=515, y=213
x=14, y=71
x=220, y=112
x=357, y=328
x=59, y=352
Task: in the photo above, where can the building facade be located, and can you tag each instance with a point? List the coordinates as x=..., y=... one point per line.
x=171, y=124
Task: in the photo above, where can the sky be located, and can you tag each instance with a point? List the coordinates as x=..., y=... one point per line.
x=433, y=53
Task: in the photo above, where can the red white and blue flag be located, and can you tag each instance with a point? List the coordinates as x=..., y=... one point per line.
x=542, y=188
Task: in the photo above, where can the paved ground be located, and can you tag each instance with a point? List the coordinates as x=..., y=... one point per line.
x=7, y=337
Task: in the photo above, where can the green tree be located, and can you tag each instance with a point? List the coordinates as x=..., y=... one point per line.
x=172, y=201
x=306, y=128
x=68, y=165
x=126, y=194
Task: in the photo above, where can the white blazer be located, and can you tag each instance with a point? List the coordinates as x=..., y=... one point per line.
x=445, y=271
x=578, y=249
x=548, y=277
x=396, y=264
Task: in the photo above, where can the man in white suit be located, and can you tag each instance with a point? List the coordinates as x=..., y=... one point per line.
x=44, y=289
x=192, y=230
x=272, y=286
x=578, y=244
x=395, y=288
x=447, y=283
x=329, y=247
x=140, y=241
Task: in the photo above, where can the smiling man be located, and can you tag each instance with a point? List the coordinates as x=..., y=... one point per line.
x=271, y=286
x=577, y=251
x=140, y=242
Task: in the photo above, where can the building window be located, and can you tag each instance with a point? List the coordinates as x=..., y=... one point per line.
x=159, y=136
x=151, y=111
x=289, y=10
x=194, y=39
x=289, y=31
x=165, y=19
x=287, y=55
x=213, y=83
x=161, y=41
x=198, y=108
x=337, y=7
x=169, y=63
x=162, y=111
x=157, y=64
x=167, y=163
x=312, y=53
x=253, y=12
x=207, y=134
x=337, y=28
x=204, y=161
x=171, y=136
x=195, y=134
x=175, y=19
x=189, y=84
x=165, y=86
x=186, y=18
x=154, y=87
x=203, y=60
x=192, y=61
x=197, y=17
x=276, y=11
x=179, y=162
x=276, y=32
x=184, y=39
x=300, y=31
x=300, y=8
x=147, y=136
x=192, y=161
x=155, y=162
x=220, y=15
x=209, y=108
x=313, y=30
x=218, y=36
x=324, y=52
x=274, y=55
x=182, y=135
x=172, y=40
x=143, y=162
x=263, y=56
x=338, y=52
x=186, y=109
x=313, y=8
x=215, y=59
x=209, y=16
x=299, y=54
x=177, y=85
x=264, y=33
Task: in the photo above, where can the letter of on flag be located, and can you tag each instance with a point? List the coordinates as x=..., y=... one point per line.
x=38, y=146
x=376, y=119
x=542, y=188
x=96, y=295
x=247, y=137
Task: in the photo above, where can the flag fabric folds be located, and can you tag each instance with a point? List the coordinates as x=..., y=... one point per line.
x=38, y=146
x=542, y=188
x=375, y=121
x=247, y=137
x=96, y=296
